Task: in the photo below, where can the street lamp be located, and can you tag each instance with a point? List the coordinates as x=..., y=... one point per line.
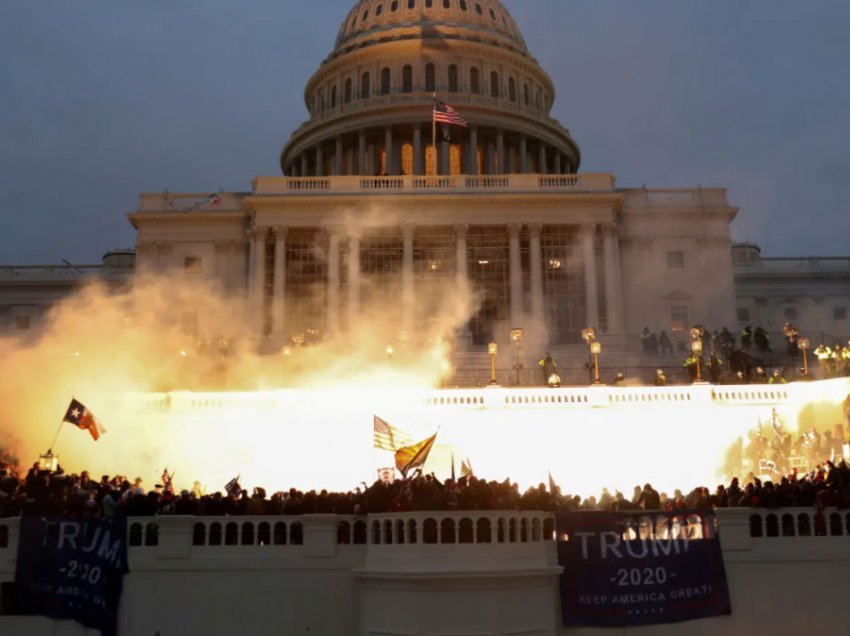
x=390, y=351
x=492, y=349
x=696, y=347
x=517, y=335
x=596, y=349
x=803, y=344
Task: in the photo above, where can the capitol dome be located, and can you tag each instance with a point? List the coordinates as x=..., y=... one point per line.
x=371, y=100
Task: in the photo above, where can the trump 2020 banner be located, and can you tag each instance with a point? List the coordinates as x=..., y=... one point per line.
x=72, y=569
x=640, y=568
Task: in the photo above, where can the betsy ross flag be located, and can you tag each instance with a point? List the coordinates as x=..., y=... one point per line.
x=78, y=415
x=387, y=437
x=409, y=457
x=445, y=114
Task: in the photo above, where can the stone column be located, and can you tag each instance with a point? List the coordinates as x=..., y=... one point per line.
x=500, y=151
x=418, y=151
x=535, y=255
x=613, y=296
x=541, y=158
x=259, y=278
x=445, y=157
x=388, y=149
x=320, y=162
x=523, y=155
x=279, y=288
x=488, y=159
x=249, y=273
x=338, y=157
x=353, y=281
x=461, y=273
x=361, y=153
x=557, y=169
x=588, y=232
x=305, y=168
x=407, y=277
x=333, y=280
x=516, y=275
x=351, y=160
x=473, y=150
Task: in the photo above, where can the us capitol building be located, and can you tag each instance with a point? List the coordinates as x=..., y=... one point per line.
x=367, y=205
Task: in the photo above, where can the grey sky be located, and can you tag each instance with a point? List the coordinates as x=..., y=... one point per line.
x=101, y=100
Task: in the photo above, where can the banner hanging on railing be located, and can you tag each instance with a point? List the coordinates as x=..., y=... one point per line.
x=635, y=568
x=72, y=569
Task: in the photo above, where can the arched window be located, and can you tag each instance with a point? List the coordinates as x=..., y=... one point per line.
x=365, y=86
x=474, y=80
x=512, y=89
x=385, y=81
x=447, y=4
x=394, y=6
x=429, y=4
x=430, y=78
x=321, y=101
x=453, y=78
x=494, y=84
x=379, y=10
x=463, y=5
x=411, y=4
x=347, y=90
x=333, y=96
x=478, y=8
x=407, y=79
x=525, y=96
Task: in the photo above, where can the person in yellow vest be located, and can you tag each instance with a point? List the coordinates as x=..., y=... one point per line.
x=824, y=355
x=777, y=378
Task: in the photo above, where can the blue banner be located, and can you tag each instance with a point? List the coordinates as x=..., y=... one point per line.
x=72, y=569
x=640, y=568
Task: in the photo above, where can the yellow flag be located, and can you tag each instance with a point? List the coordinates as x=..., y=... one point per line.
x=410, y=457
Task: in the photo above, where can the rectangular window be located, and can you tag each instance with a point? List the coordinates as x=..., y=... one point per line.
x=193, y=265
x=675, y=260
x=839, y=313
x=743, y=314
x=22, y=323
x=678, y=319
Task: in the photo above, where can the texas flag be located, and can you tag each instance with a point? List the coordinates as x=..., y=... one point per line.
x=78, y=415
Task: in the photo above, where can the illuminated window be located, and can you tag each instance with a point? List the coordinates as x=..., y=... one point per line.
x=385, y=81
x=430, y=161
x=193, y=265
x=407, y=79
x=474, y=81
x=365, y=86
x=430, y=78
x=455, y=159
x=678, y=318
x=453, y=78
x=675, y=260
x=22, y=323
x=494, y=84
x=407, y=159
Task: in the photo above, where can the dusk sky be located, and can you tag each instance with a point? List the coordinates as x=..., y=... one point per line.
x=103, y=100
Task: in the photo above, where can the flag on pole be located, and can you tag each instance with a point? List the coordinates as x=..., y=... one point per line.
x=445, y=114
x=409, y=457
x=466, y=468
x=78, y=415
x=553, y=487
x=453, y=467
x=388, y=437
x=232, y=487
x=167, y=479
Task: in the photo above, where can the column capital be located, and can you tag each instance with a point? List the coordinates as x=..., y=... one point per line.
x=280, y=231
x=514, y=229
x=256, y=231
x=407, y=229
x=534, y=230
x=587, y=228
x=332, y=231
x=609, y=229
x=461, y=229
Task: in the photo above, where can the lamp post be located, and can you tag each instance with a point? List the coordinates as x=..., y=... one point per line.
x=803, y=343
x=596, y=349
x=517, y=335
x=390, y=351
x=492, y=349
x=696, y=347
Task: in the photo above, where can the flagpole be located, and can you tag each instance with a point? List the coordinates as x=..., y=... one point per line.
x=55, y=437
x=434, y=138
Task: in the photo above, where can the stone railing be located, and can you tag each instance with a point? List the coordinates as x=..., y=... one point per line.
x=38, y=272
x=676, y=198
x=814, y=264
x=265, y=186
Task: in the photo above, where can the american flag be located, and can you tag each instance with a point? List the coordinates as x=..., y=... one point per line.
x=445, y=114
x=387, y=437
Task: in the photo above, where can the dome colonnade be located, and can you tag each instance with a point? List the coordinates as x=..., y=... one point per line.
x=371, y=101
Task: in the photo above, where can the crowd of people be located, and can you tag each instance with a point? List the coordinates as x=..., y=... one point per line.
x=55, y=493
